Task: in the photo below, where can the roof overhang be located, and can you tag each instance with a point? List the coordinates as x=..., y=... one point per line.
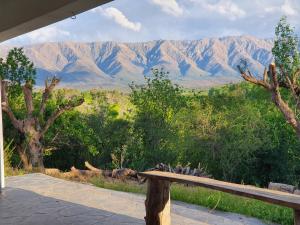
x=18, y=17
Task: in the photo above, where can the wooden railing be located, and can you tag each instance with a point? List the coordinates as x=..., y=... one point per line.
x=158, y=194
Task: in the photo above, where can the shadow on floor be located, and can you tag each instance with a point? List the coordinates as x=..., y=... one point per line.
x=22, y=207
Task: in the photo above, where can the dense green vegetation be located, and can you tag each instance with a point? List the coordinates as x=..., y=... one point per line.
x=233, y=132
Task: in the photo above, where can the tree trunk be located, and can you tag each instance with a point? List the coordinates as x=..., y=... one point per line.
x=32, y=133
x=31, y=127
x=24, y=157
x=36, y=154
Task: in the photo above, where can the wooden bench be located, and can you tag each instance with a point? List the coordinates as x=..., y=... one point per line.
x=158, y=194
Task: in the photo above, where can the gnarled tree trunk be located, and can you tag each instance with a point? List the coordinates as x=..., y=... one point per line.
x=34, y=127
x=33, y=135
x=36, y=153
x=272, y=84
x=24, y=157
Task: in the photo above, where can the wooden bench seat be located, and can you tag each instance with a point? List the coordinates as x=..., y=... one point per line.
x=158, y=194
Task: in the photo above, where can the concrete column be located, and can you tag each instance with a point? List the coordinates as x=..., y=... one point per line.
x=2, y=181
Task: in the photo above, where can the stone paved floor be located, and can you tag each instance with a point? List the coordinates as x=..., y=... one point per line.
x=37, y=199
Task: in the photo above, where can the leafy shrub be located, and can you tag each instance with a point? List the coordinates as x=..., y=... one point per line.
x=8, y=154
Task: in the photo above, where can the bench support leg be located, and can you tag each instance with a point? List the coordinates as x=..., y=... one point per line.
x=296, y=217
x=158, y=209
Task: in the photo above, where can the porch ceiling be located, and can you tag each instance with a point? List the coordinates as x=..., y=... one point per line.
x=21, y=16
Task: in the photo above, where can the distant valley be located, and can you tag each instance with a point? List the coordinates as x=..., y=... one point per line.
x=112, y=65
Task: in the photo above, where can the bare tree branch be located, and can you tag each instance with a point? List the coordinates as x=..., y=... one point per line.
x=250, y=74
x=296, y=97
x=254, y=80
x=4, y=92
x=47, y=92
x=18, y=124
x=70, y=105
x=266, y=75
x=27, y=90
x=296, y=76
x=273, y=86
x=282, y=105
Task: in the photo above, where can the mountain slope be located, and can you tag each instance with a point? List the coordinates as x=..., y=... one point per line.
x=198, y=63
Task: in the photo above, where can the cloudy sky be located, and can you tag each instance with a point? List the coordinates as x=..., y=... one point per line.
x=142, y=20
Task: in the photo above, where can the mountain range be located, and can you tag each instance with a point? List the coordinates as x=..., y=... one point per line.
x=110, y=65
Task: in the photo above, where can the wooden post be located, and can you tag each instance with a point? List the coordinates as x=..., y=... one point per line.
x=296, y=217
x=158, y=206
x=2, y=181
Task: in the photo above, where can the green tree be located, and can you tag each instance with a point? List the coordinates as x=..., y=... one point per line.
x=156, y=104
x=283, y=76
x=17, y=79
x=235, y=135
x=285, y=50
x=17, y=69
x=99, y=133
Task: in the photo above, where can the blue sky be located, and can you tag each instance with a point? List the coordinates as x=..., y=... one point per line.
x=143, y=20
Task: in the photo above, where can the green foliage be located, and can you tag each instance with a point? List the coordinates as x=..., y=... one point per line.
x=9, y=158
x=158, y=95
x=95, y=132
x=231, y=131
x=285, y=50
x=118, y=185
x=236, y=135
x=156, y=104
x=117, y=136
x=18, y=69
x=8, y=154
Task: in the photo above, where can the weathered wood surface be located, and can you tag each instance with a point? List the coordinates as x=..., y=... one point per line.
x=123, y=173
x=271, y=196
x=282, y=187
x=187, y=170
x=296, y=217
x=84, y=172
x=158, y=206
x=92, y=168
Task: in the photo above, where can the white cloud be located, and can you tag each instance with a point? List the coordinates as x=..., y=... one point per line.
x=226, y=8
x=119, y=18
x=286, y=8
x=169, y=6
x=97, y=9
x=45, y=34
